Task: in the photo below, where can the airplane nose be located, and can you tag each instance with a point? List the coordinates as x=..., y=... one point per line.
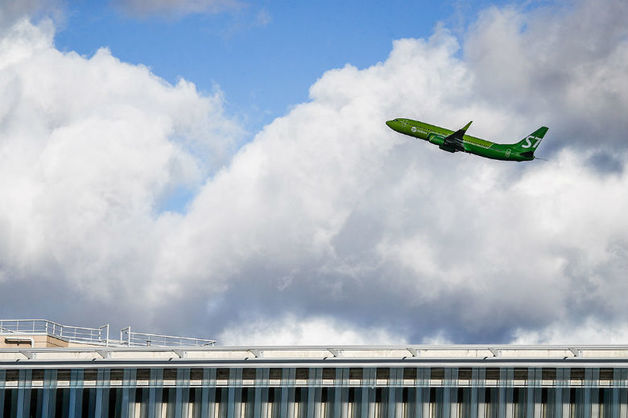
x=389, y=123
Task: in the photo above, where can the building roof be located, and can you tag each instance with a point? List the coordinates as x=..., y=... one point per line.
x=40, y=333
x=323, y=356
x=43, y=343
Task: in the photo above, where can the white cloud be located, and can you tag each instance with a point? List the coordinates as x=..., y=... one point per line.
x=293, y=330
x=567, y=62
x=13, y=11
x=327, y=226
x=90, y=149
x=588, y=332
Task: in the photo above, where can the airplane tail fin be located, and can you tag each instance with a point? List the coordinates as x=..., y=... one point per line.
x=528, y=145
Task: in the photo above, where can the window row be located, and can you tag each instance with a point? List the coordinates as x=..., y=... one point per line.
x=615, y=377
x=315, y=402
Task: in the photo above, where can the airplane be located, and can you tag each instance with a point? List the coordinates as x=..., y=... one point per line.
x=451, y=141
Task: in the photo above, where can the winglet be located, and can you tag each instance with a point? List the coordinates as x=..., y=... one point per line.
x=466, y=126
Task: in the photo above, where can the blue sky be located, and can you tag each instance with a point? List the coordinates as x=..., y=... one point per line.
x=264, y=55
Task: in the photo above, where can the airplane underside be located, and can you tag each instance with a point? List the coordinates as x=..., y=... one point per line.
x=448, y=148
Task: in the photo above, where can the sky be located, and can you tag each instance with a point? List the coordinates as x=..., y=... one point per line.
x=222, y=169
x=263, y=56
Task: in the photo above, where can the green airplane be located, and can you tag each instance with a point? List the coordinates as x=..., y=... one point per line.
x=451, y=141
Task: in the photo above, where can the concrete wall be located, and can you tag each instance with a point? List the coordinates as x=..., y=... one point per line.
x=30, y=341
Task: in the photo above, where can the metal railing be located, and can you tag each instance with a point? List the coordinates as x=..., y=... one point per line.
x=84, y=335
x=140, y=339
x=96, y=336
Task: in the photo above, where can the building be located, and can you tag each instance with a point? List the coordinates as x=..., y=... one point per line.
x=147, y=375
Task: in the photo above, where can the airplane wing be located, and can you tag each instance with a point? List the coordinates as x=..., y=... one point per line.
x=454, y=141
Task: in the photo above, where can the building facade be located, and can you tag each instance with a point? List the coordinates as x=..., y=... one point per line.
x=314, y=382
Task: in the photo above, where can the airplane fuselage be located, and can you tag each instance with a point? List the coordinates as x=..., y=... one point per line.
x=522, y=151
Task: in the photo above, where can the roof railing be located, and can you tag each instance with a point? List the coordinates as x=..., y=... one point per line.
x=96, y=336
x=139, y=339
x=84, y=335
